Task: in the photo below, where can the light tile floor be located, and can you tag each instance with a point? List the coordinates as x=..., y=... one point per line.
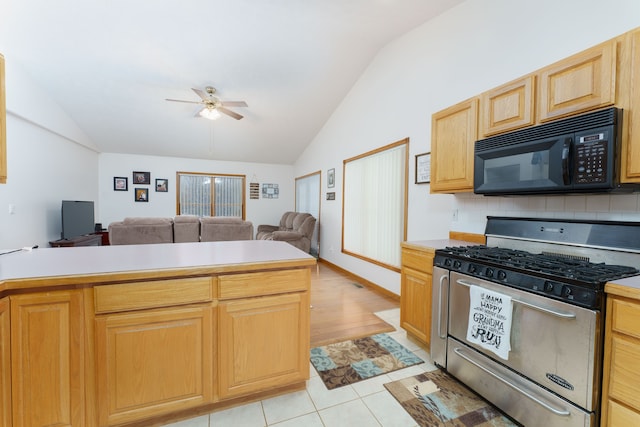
x=366, y=403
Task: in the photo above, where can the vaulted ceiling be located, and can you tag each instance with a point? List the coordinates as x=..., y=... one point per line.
x=110, y=65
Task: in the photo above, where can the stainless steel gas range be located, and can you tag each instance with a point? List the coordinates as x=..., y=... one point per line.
x=520, y=320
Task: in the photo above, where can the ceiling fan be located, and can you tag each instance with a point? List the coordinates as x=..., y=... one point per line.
x=212, y=106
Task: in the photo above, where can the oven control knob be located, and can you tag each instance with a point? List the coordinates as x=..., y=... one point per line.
x=472, y=268
x=502, y=275
x=566, y=291
x=489, y=272
x=457, y=264
x=447, y=262
x=548, y=286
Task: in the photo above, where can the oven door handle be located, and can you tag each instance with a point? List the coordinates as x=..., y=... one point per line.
x=557, y=313
x=558, y=411
x=441, y=284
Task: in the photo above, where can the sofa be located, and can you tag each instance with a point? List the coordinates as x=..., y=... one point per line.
x=220, y=228
x=182, y=228
x=295, y=228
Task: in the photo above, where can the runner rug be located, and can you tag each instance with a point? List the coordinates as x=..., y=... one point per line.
x=435, y=399
x=347, y=362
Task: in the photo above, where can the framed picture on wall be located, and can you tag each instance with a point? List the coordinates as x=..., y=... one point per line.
x=423, y=168
x=142, y=178
x=120, y=183
x=331, y=178
x=162, y=185
x=142, y=194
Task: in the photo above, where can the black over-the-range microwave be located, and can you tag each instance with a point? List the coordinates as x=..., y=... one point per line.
x=574, y=155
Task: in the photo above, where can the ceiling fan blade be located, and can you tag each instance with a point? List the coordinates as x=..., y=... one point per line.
x=230, y=113
x=181, y=100
x=233, y=104
x=202, y=95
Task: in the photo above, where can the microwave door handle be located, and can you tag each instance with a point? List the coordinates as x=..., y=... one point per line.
x=566, y=150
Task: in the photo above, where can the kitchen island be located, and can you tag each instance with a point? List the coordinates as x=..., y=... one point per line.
x=140, y=334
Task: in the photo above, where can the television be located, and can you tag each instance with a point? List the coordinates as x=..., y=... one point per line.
x=77, y=218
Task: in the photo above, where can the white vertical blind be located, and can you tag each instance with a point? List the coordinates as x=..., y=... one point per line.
x=308, y=200
x=374, y=205
x=197, y=193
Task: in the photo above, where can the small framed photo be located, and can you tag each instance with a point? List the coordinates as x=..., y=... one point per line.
x=120, y=183
x=142, y=194
x=162, y=185
x=142, y=178
x=331, y=178
x=423, y=168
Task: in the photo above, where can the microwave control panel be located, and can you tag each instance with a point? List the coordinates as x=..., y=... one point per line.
x=591, y=159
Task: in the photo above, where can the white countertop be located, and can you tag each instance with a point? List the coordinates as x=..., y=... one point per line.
x=90, y=260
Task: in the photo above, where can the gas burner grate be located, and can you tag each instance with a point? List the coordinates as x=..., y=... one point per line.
x=558, y=265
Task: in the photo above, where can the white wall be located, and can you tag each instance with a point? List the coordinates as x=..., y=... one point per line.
x=49, y=160
x=474, y=47
x=116, y=205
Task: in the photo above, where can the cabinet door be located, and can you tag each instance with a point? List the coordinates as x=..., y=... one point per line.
x=263, y=343
x=150, y=363
x=47, y=359
x=415, y=303
x=453, y=133
x=5, y=364
x=582, y=82
x=630, y=156
x=508, y=107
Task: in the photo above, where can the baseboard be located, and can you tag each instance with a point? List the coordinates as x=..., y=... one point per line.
x=376, y=288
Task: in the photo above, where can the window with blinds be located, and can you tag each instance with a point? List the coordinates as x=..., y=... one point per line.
x=211, y=194
x=375, y=204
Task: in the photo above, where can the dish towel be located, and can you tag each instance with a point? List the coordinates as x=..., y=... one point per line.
x=490, y=315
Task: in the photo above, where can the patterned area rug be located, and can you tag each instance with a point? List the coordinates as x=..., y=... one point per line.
x=437, y=399
x=347, y=362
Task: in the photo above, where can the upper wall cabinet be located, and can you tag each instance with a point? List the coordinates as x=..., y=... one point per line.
x=3, y=126
x=508, y=107
x=629, y=94
x=453, y=133
x=582, y=82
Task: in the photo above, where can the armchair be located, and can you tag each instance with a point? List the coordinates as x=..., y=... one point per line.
x=296, y=228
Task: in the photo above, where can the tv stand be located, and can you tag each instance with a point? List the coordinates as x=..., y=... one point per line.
x=86, y=240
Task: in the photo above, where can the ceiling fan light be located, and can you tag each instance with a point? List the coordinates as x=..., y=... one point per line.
x=210, y=113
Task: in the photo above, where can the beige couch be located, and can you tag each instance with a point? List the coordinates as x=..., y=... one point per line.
x=295, y=228
x=220, y=228
x=182, y=228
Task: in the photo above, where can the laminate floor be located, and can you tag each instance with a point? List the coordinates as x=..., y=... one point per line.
x=339, y=308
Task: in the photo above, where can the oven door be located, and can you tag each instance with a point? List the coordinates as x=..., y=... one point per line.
x=541, y=166
x=555, y=344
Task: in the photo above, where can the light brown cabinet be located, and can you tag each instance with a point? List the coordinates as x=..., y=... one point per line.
x=453, y=133
x=629, y=94
x=47, y=359
x=415, y=291
x=621, y=375
x=579, y=83
x=153, y=362
x=263, y=341
x=5, y=364
x=605, y=75
x=154, y=351
x=508, y=107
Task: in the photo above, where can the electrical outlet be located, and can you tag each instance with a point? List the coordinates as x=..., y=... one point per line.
x=12, y=209
x=454, y=217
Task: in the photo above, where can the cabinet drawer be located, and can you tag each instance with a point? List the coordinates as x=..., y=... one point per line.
x=624, y=380
x=618, y=415
x=264, y=283
x=161, y=293
x=418, y=260
x=624, y=317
